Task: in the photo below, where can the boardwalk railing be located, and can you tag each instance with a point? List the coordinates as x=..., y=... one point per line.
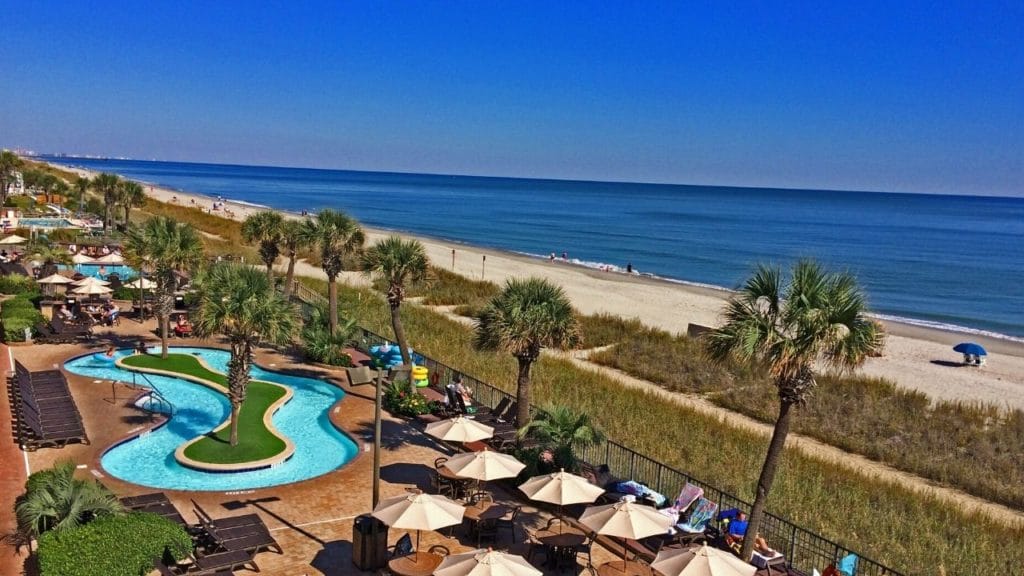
x=804, y=550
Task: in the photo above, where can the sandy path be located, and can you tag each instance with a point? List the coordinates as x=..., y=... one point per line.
x=917, y=358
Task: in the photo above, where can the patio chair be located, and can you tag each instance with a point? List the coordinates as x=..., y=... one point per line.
x=402, y=547
x=486, y=529
x=509, y=521
x=703, y=511
x=439, y=550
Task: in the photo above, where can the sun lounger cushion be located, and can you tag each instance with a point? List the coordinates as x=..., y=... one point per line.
x=640, y=491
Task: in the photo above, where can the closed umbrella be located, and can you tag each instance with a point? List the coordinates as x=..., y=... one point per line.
x=418, y=511
x=459, y=429
x=82, y=259
x=702, y=561
x=560, y=488
x=485, y=563
x=626, y=519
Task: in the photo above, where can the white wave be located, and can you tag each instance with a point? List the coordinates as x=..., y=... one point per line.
x=947, y=327
x=244, y=203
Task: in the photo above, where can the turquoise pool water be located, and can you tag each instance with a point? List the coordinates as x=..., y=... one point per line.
x=93, y=270
x=44, y=222
x=149, y=459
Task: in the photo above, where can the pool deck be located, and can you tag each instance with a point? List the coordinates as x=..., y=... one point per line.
x=312, y=519
x=12, y=476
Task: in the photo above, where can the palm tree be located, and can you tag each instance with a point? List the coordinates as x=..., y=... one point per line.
x=565, y=430
x=819, y=318
x=264, y=229
x=524, y=318
x=293, y=239
x=130, y=194
x=107, y=185
x=399, y=262
x=240, y=303
x=168, y=247
x=82, y=185
x=9, y=164
x=336, y=235
x=55, y=500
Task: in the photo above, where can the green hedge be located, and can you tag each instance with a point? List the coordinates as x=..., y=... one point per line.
x=17, y=314
x=18, y=284
x=112, y=546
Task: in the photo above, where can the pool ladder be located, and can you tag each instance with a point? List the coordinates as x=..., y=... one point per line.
x=156, y=398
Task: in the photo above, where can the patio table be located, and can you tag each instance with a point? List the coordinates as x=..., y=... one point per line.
x=415, y=564
x=620, y=568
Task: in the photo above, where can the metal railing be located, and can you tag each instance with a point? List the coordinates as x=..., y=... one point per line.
x=804, y=550
x=154, y=392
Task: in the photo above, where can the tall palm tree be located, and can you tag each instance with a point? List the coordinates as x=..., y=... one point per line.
x=130, y=194
x=337, y=236
x=264, y=229
x=819, y=318
x=82, y=185
x=9, y=164
x=293, y=239
x=565, y=430
x=107, y=185
x=168, y=247
x=524, y=318
x=55, y=500
x=240, y=303
x=399, y=262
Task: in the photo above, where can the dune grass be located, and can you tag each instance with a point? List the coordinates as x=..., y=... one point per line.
x=975, y=447
x=255, y=441
x=891, y=524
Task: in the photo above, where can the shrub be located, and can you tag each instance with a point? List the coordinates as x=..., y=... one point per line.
x=18, y=284
x=604, y=329
x=400, y=402
x=320, y=345
x=112, y=546
x=17, y=314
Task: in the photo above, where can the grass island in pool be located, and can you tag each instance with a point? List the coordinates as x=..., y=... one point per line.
x=259, y=444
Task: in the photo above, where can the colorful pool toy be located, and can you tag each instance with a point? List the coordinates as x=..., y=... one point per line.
x=420, y=376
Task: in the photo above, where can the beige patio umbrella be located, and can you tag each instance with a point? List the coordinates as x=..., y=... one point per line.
x=82, y=259
x=91, y=281
x=52, y=281
x=459, y=429
x=560, y=488
x=147, y=284
x=13, y=239
x=92, y=290
x=484, y=465
x=112, y=258
x=418, y=511
x=485, y=562
x=702, y=561
x=626, y=519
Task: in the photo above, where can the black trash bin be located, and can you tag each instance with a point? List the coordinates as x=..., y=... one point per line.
x=369, y=543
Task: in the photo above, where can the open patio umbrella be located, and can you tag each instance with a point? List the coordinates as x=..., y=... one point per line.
x=485, y=563
x=702, y=561
x=560, y=488
x=459, y=429
x=91, y=281
x=13, y=239
x=484, y=465
x=92, y=290
x=626, y=519
x=418, y=511
x=970, y=348
x=112, y=258
x=54, y=279
x=146, y=284
x=82, y=259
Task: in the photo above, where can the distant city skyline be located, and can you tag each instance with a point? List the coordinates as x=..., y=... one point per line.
x=875, y=97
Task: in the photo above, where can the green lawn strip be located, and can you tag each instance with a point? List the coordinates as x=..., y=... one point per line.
x=255, y=441
x=891, y=524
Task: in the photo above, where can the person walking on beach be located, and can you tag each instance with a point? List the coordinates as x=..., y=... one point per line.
x=629, y=268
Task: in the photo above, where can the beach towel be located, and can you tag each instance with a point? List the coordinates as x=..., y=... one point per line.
x=848, y=565
x=703, y=511
x=688, y=495
x=640, y=491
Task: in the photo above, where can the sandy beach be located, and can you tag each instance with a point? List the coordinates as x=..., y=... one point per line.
x=915, y=357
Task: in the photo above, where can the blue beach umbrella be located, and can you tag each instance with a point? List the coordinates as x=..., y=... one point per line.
x=970, y=348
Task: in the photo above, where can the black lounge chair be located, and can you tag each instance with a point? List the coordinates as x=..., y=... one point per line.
x=45, y=410
x=157, y=503
x=221, y=562
x=247, y=532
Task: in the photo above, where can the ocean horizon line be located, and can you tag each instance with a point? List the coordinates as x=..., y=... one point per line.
x=737, y=187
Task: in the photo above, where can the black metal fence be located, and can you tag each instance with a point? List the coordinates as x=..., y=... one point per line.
x=804, y=550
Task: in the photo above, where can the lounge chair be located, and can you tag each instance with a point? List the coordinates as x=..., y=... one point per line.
x=361, y=375
x=221, y=562
x=694, y=527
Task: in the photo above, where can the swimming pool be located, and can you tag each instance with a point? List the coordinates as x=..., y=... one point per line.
x=149, y=459
x=44, y=223
x=94, y=270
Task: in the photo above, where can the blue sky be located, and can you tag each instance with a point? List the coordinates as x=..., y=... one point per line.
x=886, y=96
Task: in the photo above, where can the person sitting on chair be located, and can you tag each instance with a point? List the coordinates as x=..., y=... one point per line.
x=737, y=532
x=66, y=313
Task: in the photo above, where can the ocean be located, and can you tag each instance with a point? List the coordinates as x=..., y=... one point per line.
x=950, y=262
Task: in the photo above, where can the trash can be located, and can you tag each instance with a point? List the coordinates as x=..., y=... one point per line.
x=369, y=543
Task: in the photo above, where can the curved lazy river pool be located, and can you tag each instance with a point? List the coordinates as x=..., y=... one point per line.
x=148, y=460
